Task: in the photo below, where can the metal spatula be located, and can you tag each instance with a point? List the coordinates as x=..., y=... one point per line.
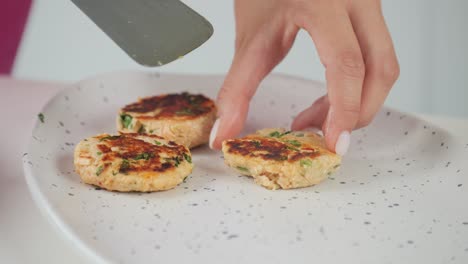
x=152, y=32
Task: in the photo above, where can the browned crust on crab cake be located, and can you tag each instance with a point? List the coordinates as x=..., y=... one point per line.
x=132, y=162
x=280, y=159
x=182, y=117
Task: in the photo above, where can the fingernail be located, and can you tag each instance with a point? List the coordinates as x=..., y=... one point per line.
x=214, y=132
x=342, y=144
x=311, y=129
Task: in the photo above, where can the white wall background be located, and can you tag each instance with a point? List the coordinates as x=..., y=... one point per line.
x=430, y=36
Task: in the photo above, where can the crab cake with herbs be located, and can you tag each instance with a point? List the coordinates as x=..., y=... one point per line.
x=280, y=159
x=132, y=162
x=184, y=118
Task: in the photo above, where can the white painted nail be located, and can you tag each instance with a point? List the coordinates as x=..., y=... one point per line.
x=342, y=144
x=311, y=129
x=214, y=132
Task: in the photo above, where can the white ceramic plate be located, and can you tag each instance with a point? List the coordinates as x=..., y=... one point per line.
x=400, y=196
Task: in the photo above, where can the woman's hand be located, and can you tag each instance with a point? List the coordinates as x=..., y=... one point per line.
x=353, y=43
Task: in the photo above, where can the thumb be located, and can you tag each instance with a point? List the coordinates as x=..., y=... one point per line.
x=244, y=76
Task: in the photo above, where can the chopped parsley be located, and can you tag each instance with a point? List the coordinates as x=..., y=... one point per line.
x=41, y=117
x=145, y=156
x=185, y=179
x=275, y=134
x=300, y=135
x=157, y=143
x=126, y=120
x=114, y=173
x=184, y=112
x=125, y=165
x=306, y=162
x=292, y=148
x=109, y=138
x=256, y=143
x=141, y=130
x=176, y=160
x=294, y=143
x=243, y=169
x=192, y=99
x=99, y=153
x=278, y=134
x=151, y=131
x=187, y=158
x=99, y=170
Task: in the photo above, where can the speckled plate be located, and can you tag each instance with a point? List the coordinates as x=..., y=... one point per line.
x=400, y=196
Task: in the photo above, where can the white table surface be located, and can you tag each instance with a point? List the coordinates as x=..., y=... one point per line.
x=26, y=235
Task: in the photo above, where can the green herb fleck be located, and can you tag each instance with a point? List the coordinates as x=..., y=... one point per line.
x=114, y=173
x=185, y=111
x=99, y=153
x=151, y=131
x=187, y=158
x=126, y=120
x=109, y=138
x=294, y=143
x=277, y=134
x=176, y=160
x=306, y=162
x=157, y=143
x=141, y=130
x=99, y=170
x=185, y=179
x=300, y=135
x=336, y=166
x=145, y=156
x=41, y=117
x=283, y=158
x=125, y=165
x=292, y=148
x=256, y=143
x=243, y=169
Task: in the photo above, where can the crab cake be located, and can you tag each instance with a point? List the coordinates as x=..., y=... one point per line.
x=280, y=159
x=132, y=162
x=184, y=118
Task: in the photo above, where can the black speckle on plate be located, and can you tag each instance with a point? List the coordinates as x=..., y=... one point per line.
x=232, y=236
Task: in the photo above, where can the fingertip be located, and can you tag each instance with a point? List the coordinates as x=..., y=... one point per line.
x=213, y=135
x=342, y=143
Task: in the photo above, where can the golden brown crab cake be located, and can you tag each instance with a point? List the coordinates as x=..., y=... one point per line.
x=280, y=159
x=132, y=162
x=184, y=118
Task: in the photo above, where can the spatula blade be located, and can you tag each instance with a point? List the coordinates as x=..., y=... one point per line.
x=151, y=32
